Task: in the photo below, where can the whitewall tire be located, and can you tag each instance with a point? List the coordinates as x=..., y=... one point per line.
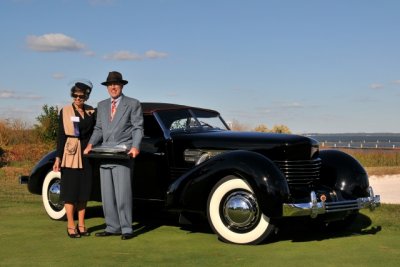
x=234, y=213
x=51, y=196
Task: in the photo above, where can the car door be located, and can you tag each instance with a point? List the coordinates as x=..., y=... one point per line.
x=151, y=175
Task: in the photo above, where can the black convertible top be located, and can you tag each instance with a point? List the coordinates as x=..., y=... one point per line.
x=150, y=107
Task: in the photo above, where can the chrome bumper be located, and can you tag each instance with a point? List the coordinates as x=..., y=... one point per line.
x=314, y=208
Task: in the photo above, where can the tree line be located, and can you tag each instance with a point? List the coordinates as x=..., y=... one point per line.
x=279, y=128
x=46, y=128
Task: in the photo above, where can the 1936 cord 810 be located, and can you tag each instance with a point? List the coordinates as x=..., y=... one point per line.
x=243, y=182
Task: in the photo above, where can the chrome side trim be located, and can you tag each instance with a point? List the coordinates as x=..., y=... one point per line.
x=314, y=208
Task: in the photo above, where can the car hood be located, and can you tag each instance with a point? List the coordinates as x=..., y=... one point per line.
x=272, y=145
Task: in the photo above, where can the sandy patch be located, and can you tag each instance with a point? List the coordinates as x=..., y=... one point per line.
x=387, y=186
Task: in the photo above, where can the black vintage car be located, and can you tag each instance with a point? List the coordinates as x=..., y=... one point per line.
x=244, y=183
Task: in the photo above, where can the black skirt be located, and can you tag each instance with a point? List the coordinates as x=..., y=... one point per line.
x=76, y=184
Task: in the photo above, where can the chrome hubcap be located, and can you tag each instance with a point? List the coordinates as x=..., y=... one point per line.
x=240, y=210
x=54, y=195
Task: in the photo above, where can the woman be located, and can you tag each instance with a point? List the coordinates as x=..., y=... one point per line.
x=76, y=122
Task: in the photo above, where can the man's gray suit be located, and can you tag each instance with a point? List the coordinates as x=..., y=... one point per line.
x=126, y=128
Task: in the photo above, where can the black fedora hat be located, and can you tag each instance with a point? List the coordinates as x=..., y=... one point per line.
x=114, y=77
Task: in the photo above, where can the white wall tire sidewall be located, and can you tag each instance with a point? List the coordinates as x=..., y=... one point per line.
x=53, y=214
x=219, y=226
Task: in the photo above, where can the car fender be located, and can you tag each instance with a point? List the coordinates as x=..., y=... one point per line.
x=190, y=191
x=39, y=172
x=344, y=173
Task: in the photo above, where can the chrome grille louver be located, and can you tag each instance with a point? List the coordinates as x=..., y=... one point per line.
x=300, y=172
x=342, y=206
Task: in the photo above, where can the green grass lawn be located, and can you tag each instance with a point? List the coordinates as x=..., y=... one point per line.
x=29, y=237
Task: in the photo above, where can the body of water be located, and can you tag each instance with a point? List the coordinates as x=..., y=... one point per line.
x=359, y=140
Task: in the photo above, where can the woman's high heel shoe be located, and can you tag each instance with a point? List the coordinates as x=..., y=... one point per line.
x=75, y=234
x=84, y=232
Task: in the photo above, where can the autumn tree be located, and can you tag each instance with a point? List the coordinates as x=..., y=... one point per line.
x=276, y=129
x=237, y=126
x=262, y=128
x=48, y=124
x=281, y=129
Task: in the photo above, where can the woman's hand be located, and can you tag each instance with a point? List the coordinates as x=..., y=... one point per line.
x=87, y=149
x=57, y=165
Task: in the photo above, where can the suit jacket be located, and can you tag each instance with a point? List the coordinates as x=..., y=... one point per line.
x=125, y=129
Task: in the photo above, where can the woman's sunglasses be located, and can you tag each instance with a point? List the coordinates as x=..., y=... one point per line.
x=78, y=96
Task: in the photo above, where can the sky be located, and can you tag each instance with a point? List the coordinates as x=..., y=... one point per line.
x=316, y=66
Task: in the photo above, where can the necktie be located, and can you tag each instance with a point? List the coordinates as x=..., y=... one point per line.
x=113, y=109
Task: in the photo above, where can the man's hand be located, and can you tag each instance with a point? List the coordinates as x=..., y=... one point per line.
x=133, y=152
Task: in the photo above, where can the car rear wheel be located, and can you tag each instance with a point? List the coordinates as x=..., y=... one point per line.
x=51, y=196
x=234, y=213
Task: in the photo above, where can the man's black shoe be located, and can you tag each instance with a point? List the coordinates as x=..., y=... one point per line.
x=105, y=233
x=127, y=236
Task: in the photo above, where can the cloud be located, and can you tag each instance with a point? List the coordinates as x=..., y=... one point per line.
x=288, y=105
x=58, y=76
x=89, y=53
x=53, y=42
x=262, y=110
x=363, y=99
x=25, y=114
x=376, y=86
x=292, y=105
x=277, y=108
x=8, y=94
x=124, y=55
x=396, y=82
x=155, y=54
x=247, y=114
x=102, y=2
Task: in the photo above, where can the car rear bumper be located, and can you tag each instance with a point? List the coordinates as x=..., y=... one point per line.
x=315, y=208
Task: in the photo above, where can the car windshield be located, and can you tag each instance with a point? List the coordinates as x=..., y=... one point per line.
x=191, y=120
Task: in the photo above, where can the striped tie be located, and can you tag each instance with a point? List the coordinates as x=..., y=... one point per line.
x=113, y=109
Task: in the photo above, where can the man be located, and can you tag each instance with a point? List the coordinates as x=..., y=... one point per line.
x=119, y=122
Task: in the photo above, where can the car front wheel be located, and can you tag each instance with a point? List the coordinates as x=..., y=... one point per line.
x=51, y=196
x=234, y=213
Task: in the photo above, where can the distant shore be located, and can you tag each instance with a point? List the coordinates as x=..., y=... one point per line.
x=358, y=140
